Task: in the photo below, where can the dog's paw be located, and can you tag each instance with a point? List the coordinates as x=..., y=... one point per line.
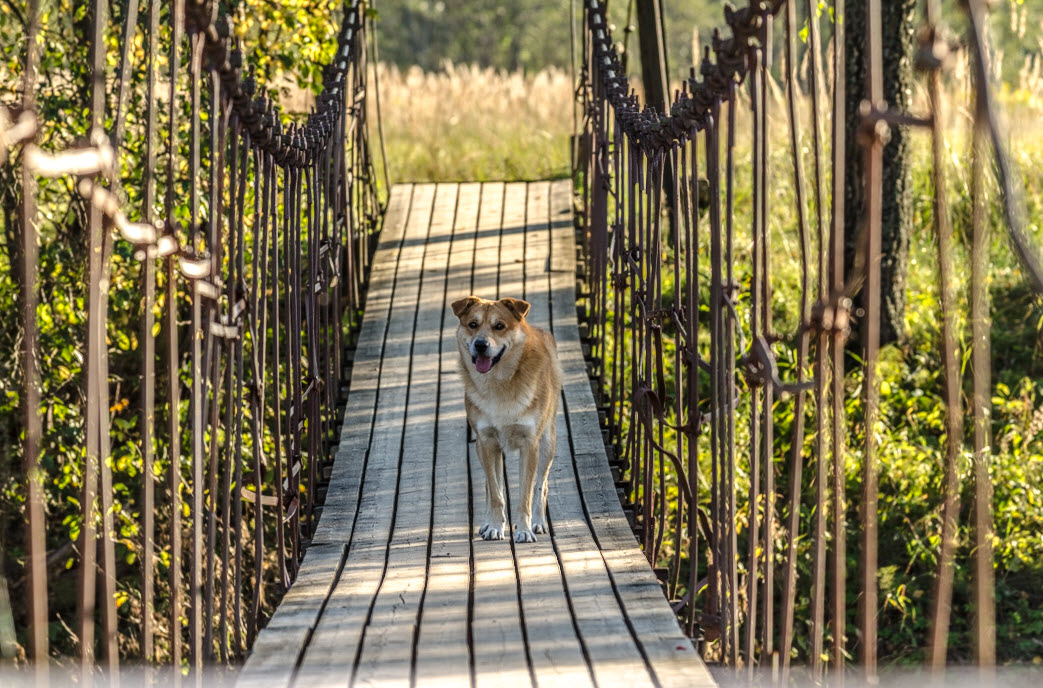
x=539, y=527
x=490, y=532
x=524, y=535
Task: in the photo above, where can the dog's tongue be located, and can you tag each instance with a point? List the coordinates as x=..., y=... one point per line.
x=484, y=364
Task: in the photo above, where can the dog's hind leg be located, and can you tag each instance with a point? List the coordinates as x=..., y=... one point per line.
x=492, y=461
x=548, y=442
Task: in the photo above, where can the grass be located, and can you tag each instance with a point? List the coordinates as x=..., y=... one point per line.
x=466, y=123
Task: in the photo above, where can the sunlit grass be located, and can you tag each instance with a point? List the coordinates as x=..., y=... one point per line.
x=466, y=123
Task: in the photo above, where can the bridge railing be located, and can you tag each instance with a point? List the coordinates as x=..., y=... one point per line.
x=250, y=275
x=698, y=376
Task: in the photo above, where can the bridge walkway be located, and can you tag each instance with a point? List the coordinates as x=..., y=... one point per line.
x=396, y=588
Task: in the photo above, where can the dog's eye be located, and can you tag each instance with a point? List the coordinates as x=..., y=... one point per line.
x=499, y=326
x=473, y=324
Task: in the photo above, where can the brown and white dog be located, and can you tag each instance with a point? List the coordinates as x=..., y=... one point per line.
x=512, y=382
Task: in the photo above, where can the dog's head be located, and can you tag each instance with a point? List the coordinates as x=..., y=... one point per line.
x=489, y=329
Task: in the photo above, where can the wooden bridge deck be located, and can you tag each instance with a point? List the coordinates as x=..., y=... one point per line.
x=396, y=589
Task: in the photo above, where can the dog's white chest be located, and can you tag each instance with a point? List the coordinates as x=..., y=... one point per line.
x=499, y=410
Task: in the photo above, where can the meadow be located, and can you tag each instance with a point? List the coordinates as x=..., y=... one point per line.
x=470, y=123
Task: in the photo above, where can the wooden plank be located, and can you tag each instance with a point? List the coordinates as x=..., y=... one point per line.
x=575, y=599
x=500, y=658
x=486, y=267
x=537, y=254
x=668, y=651
x=554, y=647
x=330, y=656
x=613, y=652
x=387, y=645
x=278, y=646
x=606, y=640
x=563, y=238
x=499, y=650
x=512, y=242
x=443, y=652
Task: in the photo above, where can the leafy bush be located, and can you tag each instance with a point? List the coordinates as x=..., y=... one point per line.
x=63, y=107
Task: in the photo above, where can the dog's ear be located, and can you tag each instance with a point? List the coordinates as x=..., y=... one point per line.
x=463, y=305
x=516, y=306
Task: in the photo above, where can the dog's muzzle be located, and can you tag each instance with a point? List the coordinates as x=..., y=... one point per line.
x=483, y=362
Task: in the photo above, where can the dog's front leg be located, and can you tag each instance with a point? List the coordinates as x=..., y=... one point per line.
x=496, y=516
x=529, y=460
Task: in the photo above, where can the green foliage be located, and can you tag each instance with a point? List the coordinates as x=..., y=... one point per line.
x=503, y=35
x=910, y=430
x=528, y=36
x=63, y=96
x=289, y=40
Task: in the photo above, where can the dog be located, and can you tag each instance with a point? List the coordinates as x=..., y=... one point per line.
x=512, y=383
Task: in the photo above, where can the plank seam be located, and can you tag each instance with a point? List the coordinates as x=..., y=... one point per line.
x=470, y=575
x=608, y=569
x=586, y=511
x=470, y=479
x=365, y=460
x=584, y=649
x=434, y=463
x=506, y=479
x=322, y=608
x=401, y=454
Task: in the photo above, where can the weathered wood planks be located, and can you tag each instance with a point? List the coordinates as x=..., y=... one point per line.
x=396, y=588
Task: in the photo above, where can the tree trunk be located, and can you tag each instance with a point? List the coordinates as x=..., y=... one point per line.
x=654, y=75
x=653, y=54
x=899, y=45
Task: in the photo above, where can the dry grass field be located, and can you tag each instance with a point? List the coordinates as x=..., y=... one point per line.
x=475, y=124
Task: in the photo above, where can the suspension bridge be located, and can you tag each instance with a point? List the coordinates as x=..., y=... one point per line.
x=305, y=508
x=396, y=586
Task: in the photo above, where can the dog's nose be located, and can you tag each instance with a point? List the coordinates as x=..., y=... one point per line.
x=480, y=345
